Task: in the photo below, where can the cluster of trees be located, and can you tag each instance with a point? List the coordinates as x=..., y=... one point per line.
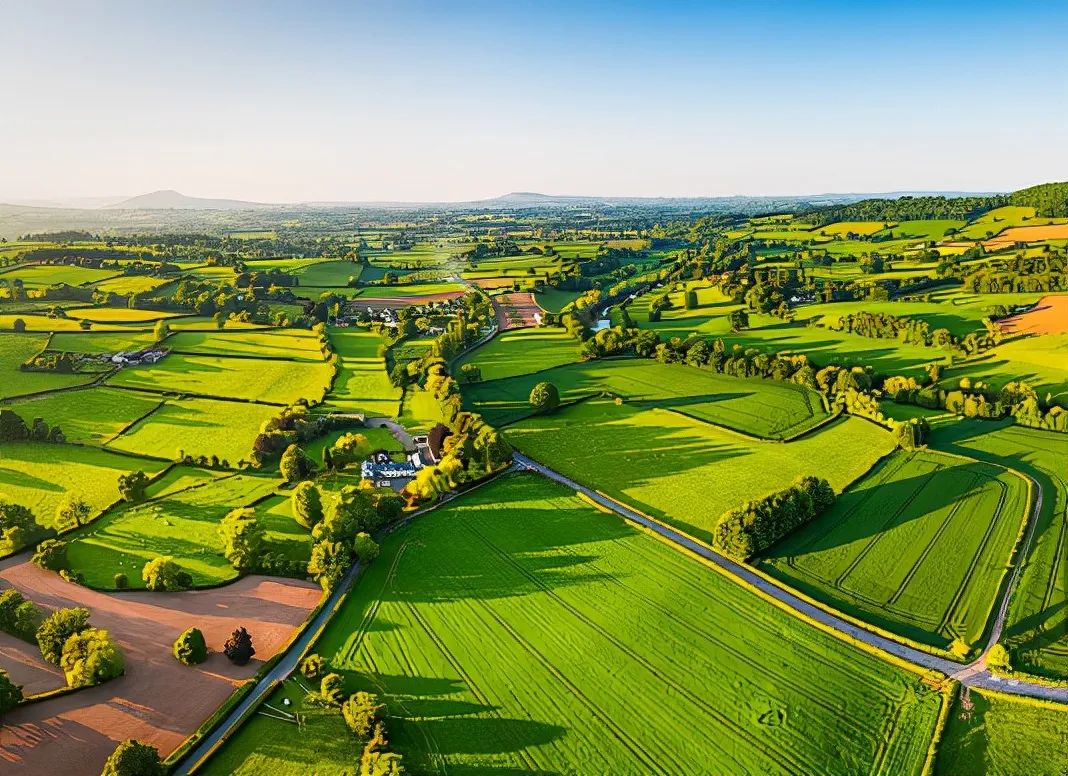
x=163, y=574
x=51, y=361
x=363, y=715
x=1048, y=199
x=66, y=638
x=975, y=399
x=905, y=209
x=756, y=526
x=341, y=530
x=293, y=425
x=1043, y=273
x=914, y=331
x=19, y=528
x=14, y=429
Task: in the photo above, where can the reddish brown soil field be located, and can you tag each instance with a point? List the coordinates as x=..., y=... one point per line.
x=158, y=701
x=491, y=283
x=515, y=311
x=1049, y=316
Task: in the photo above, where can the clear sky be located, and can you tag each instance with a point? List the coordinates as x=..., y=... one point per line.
x=458, y=100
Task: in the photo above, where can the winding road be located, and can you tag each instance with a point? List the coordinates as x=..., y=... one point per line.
x=974, y=674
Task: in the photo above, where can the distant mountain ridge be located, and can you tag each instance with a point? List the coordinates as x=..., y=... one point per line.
x=169, y=199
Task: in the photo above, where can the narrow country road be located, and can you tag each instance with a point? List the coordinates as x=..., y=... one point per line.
x=974, y=675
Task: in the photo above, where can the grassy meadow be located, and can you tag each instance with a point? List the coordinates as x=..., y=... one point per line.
x=552, y=638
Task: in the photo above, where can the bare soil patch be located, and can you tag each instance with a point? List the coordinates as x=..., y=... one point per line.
x=158, y=701
x=1049, y=316
x=515, y=311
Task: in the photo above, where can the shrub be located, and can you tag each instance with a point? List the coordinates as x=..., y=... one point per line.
x=312, y=666
x=544, y=397
x=163, y=573
x=51, y=554
x=91, y=657
x=238, y=648
x=132, y=486
x=132, y=758
x=18, y=616
x=18, y=527
x=57, y=628
x=190, y=648
x=307, y=505
x=360, y=713
x=121, y=582
x=294, y=464
x=997, y=659
x=10, y=694
x=243, y=538
x=365, y=547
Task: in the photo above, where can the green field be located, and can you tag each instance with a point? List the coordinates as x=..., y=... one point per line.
x=44, y=275
x=196, y=427
x=362, y=384
x=249, y=379
x=552, y=638
x=39, y=475
x=97, y=342
x=1036, y=630
x=763, y=408
x=1004, y=736
x=182, y=523
x=90, y=415
x=685, y=471
x=15, y=349
x=917, y=547
x=554, y=300
x=522, y=351
x=293, y=344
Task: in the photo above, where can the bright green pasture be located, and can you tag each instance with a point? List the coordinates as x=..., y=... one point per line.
x=251, y=379
x=419, y=411
x=92, y=415
x=380, y=439
x=411, y=349
x=927, y=229
x=1040, y=361
x=195, y=427
x=44, y=275
x=296, y=344
x=918, y=547
x=131, y=284
x=327, y=273
x=1036, y=631
x=521, y=351
x=845, y=227
x=101, y=342
x=183, y=524
x=39, y=475
x=1005, y=736
x=120, y=314
x=997, y=220
x=761, y=407
x=411, y=289
x=518, y=630
x=683, y=470
x=554, y=300
x=362, y=384
x=15, y=349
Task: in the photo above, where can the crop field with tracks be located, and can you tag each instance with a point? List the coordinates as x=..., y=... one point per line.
x=1036, y=631
x=484, y=656
x=362, y=384
x=918, y=547
x=520, y=352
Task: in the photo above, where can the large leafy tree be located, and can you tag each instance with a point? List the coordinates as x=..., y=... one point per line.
x=57, y=628
x=544, y=397
x=238, y=648
x=307, y=505
x=10, y=694
x=243, y=538
x=91, y=657
x=132, y=758
x=190, y=647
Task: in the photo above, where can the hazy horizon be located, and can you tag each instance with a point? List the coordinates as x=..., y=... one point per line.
x=415, y=102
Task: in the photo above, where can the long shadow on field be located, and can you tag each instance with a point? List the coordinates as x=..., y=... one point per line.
x=503, y=543
x=868, y=510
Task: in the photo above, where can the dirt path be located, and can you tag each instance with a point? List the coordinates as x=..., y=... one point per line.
x=158, y=700
x=973, y=675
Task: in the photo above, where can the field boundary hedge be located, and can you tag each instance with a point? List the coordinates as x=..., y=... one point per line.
x=949, y=696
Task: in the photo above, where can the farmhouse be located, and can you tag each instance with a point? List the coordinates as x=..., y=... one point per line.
x=137, y=357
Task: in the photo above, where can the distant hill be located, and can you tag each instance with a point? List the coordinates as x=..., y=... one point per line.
x=173, y=200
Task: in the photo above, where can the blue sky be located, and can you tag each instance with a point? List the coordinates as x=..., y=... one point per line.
x=458, y=100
